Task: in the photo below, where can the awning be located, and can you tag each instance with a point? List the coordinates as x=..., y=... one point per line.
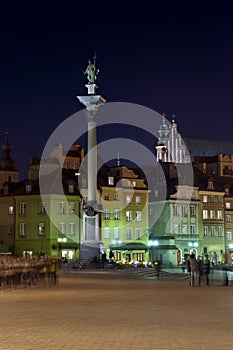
x=4, y=250
x=69, y=245
x=129, y=246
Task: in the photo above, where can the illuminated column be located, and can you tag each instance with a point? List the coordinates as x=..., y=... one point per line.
x=90, y=245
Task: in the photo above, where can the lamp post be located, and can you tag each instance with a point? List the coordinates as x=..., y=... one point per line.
x=193, y=245
x=60, y=241
x=152, y=245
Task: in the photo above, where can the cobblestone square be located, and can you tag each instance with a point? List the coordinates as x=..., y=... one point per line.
x=103, y=310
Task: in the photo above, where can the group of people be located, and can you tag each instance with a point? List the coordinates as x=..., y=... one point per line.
x=27, y=271
x=104, y=259
x=199, y=271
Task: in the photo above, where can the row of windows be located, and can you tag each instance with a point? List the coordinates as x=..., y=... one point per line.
x=128, y=198
x=212, y=199
x=184, y=229
x=115, y=233
x=213, y=231
x=42, y=228
x=128, y=215
x=212, y=214
x=61, y=208
x=184, y=209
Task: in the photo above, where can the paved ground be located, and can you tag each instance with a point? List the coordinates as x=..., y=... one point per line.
x=109, y=310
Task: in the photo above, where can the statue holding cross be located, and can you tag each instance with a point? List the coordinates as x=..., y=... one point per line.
x=91, y=71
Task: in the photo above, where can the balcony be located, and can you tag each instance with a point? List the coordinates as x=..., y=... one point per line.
x=186, y=236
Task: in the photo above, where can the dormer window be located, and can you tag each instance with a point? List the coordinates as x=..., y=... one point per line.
x=210, y=184
x=111, y=180
x=28, y=188
x=71, y=188
x=6, y=190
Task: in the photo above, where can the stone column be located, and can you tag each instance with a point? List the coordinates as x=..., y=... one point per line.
x=90, y=246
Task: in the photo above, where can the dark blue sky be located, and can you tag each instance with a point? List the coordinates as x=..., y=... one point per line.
x=173, y=57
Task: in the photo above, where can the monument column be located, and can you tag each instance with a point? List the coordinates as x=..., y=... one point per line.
x=90, y=245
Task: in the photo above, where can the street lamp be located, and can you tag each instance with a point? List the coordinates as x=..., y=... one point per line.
x=193, y=245
x=152, y=244
x=60, y=241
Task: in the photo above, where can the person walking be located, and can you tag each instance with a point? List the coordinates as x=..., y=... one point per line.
x=103, y=260
x=200, y=271
x=193, y=270
x=207, y=270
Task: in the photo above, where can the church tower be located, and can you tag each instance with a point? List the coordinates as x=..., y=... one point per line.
x=170, y=146
x=8, y=171
x=162, y=141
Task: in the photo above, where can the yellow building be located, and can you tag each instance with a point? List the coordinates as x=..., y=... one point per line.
x=124, y=220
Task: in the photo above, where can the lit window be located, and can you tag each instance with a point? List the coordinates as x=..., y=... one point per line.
x=212, y=231
x=228, y=205
x=61, y=208
x=220, y=231
x=192, y=229
x=192, y=210
x=205, y=214
x=28, y=188
x=106, y=214
x=219, y=214
x=41, y=228
x=138, y=216
x=138, y=200
x=184, y=229
x=128, y=198
x=205, y=199
x=11, y=210
x=175, y=209
x=111, y=180
x=184, y=210
x=212, y=214
x=229, y=236
x=22, y=208
x=210, y=185
x=22, y=229
x=128, y=215
x=206, y=230
x=116, y=214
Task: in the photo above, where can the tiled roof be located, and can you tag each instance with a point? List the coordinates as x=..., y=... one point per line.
x=207, y=147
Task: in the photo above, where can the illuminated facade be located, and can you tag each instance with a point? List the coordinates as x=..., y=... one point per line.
x=124, y=220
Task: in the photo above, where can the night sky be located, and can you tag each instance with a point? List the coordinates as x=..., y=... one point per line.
x=174, y=58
